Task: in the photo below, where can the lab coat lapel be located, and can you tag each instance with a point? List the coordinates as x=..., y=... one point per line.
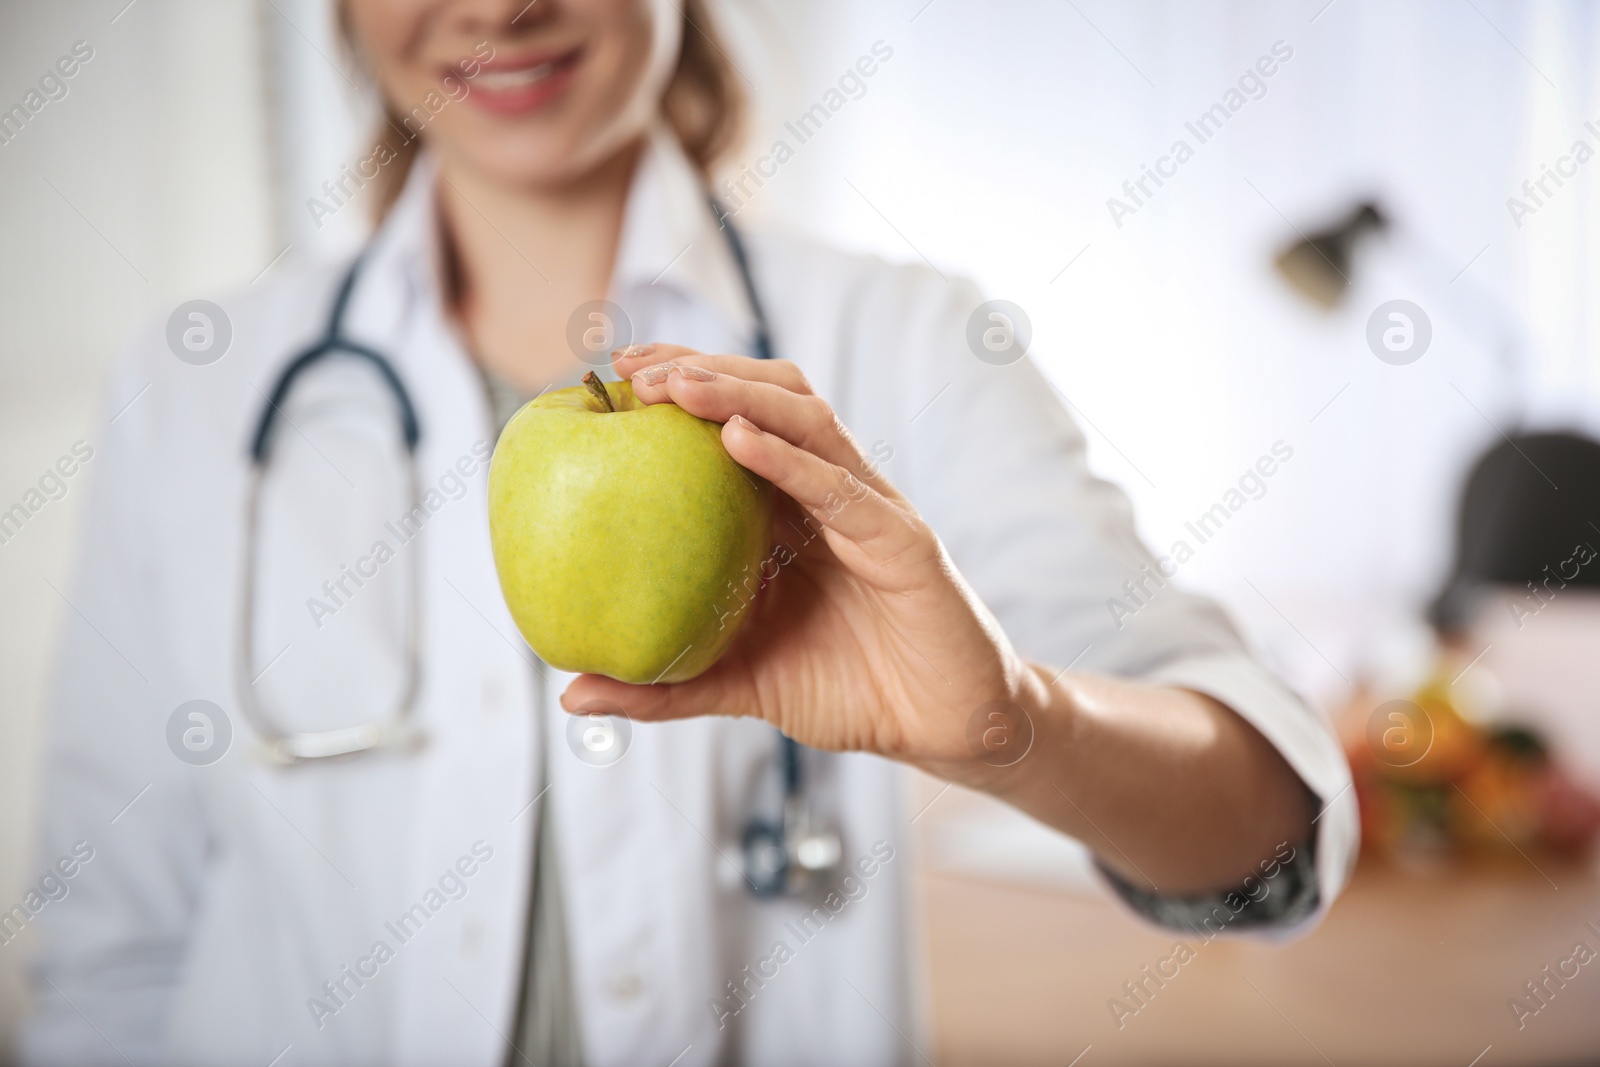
x=460, y=973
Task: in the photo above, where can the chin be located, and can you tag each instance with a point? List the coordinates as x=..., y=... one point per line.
x=542, y=159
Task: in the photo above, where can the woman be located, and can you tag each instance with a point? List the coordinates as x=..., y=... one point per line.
x=487, y=896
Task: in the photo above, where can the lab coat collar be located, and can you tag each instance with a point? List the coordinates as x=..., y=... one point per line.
x=405, y=252
x=670, y=241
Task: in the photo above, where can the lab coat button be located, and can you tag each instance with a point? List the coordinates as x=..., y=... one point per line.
x=625, y=986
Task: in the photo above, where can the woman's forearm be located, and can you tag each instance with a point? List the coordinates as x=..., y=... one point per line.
x=1170, y=788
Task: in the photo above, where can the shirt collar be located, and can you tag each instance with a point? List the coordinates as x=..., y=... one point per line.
x=670, y=240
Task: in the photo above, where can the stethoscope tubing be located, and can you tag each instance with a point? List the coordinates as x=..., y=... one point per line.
x=281, y=747
x=274, y=744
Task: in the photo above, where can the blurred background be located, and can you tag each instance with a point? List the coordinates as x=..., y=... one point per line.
x=1436, y=154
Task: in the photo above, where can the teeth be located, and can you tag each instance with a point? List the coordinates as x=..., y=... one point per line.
x=515, y=79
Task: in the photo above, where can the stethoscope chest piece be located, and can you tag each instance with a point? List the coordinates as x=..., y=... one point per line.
x=796, y=855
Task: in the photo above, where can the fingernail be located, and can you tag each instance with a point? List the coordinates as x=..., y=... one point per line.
x=746, y=424
x=633, y=351
x=697, y=374
x=655, y=375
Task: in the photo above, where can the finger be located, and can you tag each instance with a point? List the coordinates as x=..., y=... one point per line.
x=842, y=503
x=629, y=361
x=805, y=421
x=636, y=356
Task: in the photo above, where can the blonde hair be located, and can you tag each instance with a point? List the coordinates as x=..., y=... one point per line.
x=703, y=103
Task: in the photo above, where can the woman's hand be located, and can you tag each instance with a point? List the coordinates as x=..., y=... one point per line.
x=867, y=638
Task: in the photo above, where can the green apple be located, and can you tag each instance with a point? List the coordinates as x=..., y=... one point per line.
x=624, y=533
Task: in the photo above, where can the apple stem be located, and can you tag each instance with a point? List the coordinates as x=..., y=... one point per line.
x=597, y=387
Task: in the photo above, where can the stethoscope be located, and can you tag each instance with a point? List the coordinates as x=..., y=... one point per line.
x=788, y=854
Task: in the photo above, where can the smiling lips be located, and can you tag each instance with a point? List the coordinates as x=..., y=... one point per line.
x=516, y=86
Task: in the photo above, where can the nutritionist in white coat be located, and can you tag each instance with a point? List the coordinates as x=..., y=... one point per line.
x=472, y=884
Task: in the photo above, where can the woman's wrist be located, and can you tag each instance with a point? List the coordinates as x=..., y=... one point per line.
x=1168, y=787
x=1005, y=736
x=1041, y=721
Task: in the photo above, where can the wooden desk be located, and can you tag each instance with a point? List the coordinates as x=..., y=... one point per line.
x=1408, y=968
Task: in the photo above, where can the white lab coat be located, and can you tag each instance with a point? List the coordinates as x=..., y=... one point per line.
x=223, y=898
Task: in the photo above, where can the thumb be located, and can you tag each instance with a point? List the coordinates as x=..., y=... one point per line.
x=709, y=694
